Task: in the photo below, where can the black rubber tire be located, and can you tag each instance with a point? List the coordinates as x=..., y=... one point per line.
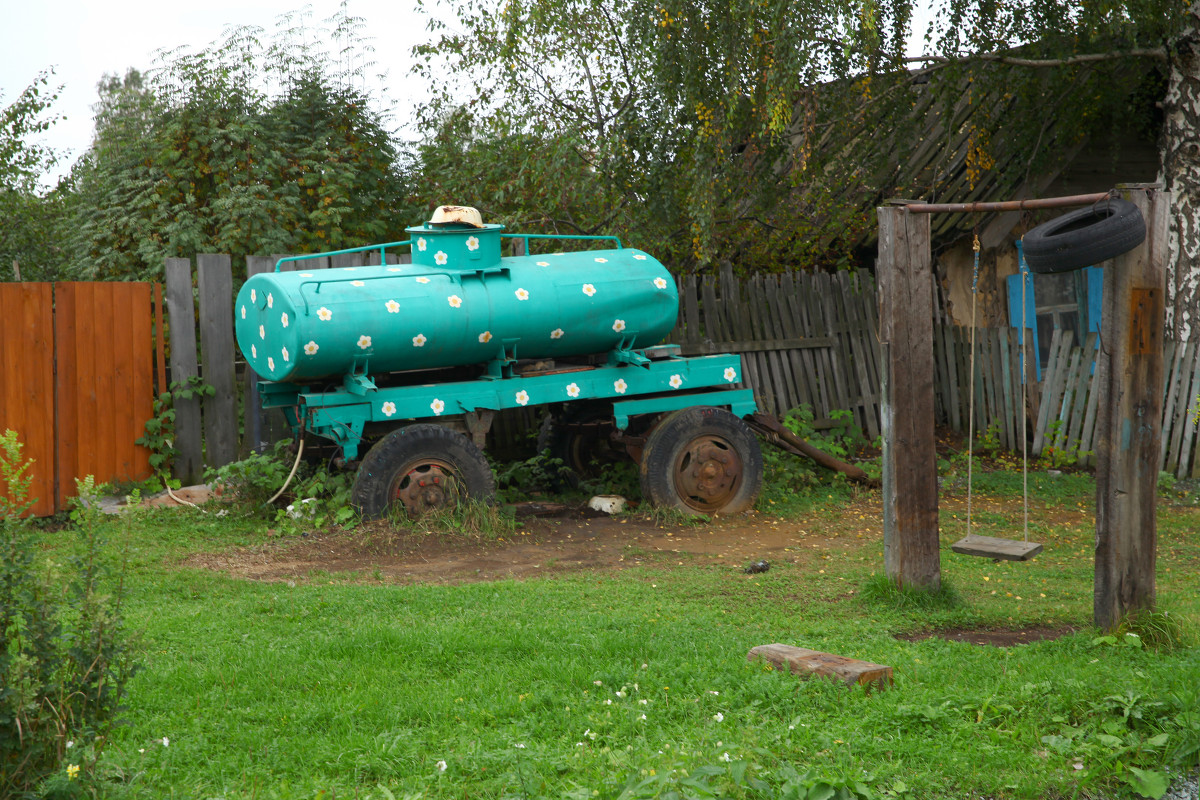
x=580, y=441
x=702, y=460
x=1084, y=237
x=418, y=468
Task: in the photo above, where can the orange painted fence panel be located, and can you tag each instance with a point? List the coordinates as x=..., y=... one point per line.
x=27, y=381
x=78, y=381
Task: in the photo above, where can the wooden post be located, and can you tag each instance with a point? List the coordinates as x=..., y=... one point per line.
x=1129, y=418
x=910, y=503
x=182, y=315
x=214, y=276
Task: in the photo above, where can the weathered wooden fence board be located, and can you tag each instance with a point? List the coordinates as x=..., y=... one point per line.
x=26, y=396
x=214, y=279
x=189, y=445
x=78, y=382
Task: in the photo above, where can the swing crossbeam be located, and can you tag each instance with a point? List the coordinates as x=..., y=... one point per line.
x=993, y=547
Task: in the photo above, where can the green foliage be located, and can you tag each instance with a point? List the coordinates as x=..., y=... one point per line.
x=671, y=122
x=521, y=479
x=471, y=518
x=30, y=216
x=1060, y=452
x=319, y=498
x=251, y=146
x=159, y=437
x=66, y=656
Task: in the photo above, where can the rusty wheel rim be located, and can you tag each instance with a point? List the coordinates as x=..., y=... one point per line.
x=708, y=473
x=426, y=485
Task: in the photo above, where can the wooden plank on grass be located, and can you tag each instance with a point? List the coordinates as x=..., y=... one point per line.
x=807, y=663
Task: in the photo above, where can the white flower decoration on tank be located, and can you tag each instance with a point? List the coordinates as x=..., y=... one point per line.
x=473, y=243
x=454, y=300
x=364, y=342
x=601, y=260
x=640, y=257
x=243, y=312
x=521, y=294
x=270, y=363
x=543, y=263
x=730, y=374
x=357, y=283
x=557, y=333
x=253, y=351
x=522, y=397
x=283, y=318
x=660, y=283
x=438, y=406
x=311, y=349
x=422, y=279
x=421, y=244
x=572, y=390
x=419, y=340
x=324, y=314
x=620, y=386
x=389, y=408
x=440, y=258
x=392, y=306
x=675, y=381
x=253, y=296
x=262, y=332
x=306, y=274
x=395, y=269
x=286, y=355
x=485, y=337
x=589, y=289
x=270, y=301
x=619, y=325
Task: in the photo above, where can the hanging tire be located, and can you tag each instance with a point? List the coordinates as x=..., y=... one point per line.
x=1084, y=237
x=421, y=468
x=702, y=460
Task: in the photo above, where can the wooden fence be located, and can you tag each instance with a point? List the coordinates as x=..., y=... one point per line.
x=805, y=339
x=1062, y=407
x=77, y=370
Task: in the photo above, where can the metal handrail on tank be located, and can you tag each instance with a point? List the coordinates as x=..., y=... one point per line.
x=527, y=236
x=380, y=247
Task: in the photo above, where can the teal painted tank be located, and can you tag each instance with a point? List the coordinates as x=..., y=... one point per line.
x=458, y=303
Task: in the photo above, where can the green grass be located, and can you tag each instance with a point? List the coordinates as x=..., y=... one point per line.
x=536, y=689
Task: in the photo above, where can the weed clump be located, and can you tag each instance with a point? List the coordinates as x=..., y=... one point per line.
x=66, y=656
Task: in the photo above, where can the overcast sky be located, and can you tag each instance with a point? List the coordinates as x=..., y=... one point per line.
x=85, y=39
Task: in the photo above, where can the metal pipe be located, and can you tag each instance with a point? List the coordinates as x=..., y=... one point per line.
x=1008, y=205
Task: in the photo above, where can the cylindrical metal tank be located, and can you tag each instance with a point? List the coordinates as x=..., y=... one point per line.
x=458, y=303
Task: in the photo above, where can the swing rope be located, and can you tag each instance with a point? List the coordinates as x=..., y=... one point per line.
x=1023, y=269
x=971, y=401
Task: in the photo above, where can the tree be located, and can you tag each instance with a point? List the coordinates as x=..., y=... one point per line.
x=768, y=130
x=29, y=215
x=245, y=147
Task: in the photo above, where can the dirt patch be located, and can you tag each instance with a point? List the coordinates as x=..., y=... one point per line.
x=547, y=545
x=1004, y=637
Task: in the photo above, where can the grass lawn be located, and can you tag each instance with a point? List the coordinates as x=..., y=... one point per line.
x=634, y=682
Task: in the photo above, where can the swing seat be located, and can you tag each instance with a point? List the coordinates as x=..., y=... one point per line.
x=992, y=547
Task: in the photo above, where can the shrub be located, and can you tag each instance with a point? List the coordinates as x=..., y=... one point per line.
x=65, y=660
